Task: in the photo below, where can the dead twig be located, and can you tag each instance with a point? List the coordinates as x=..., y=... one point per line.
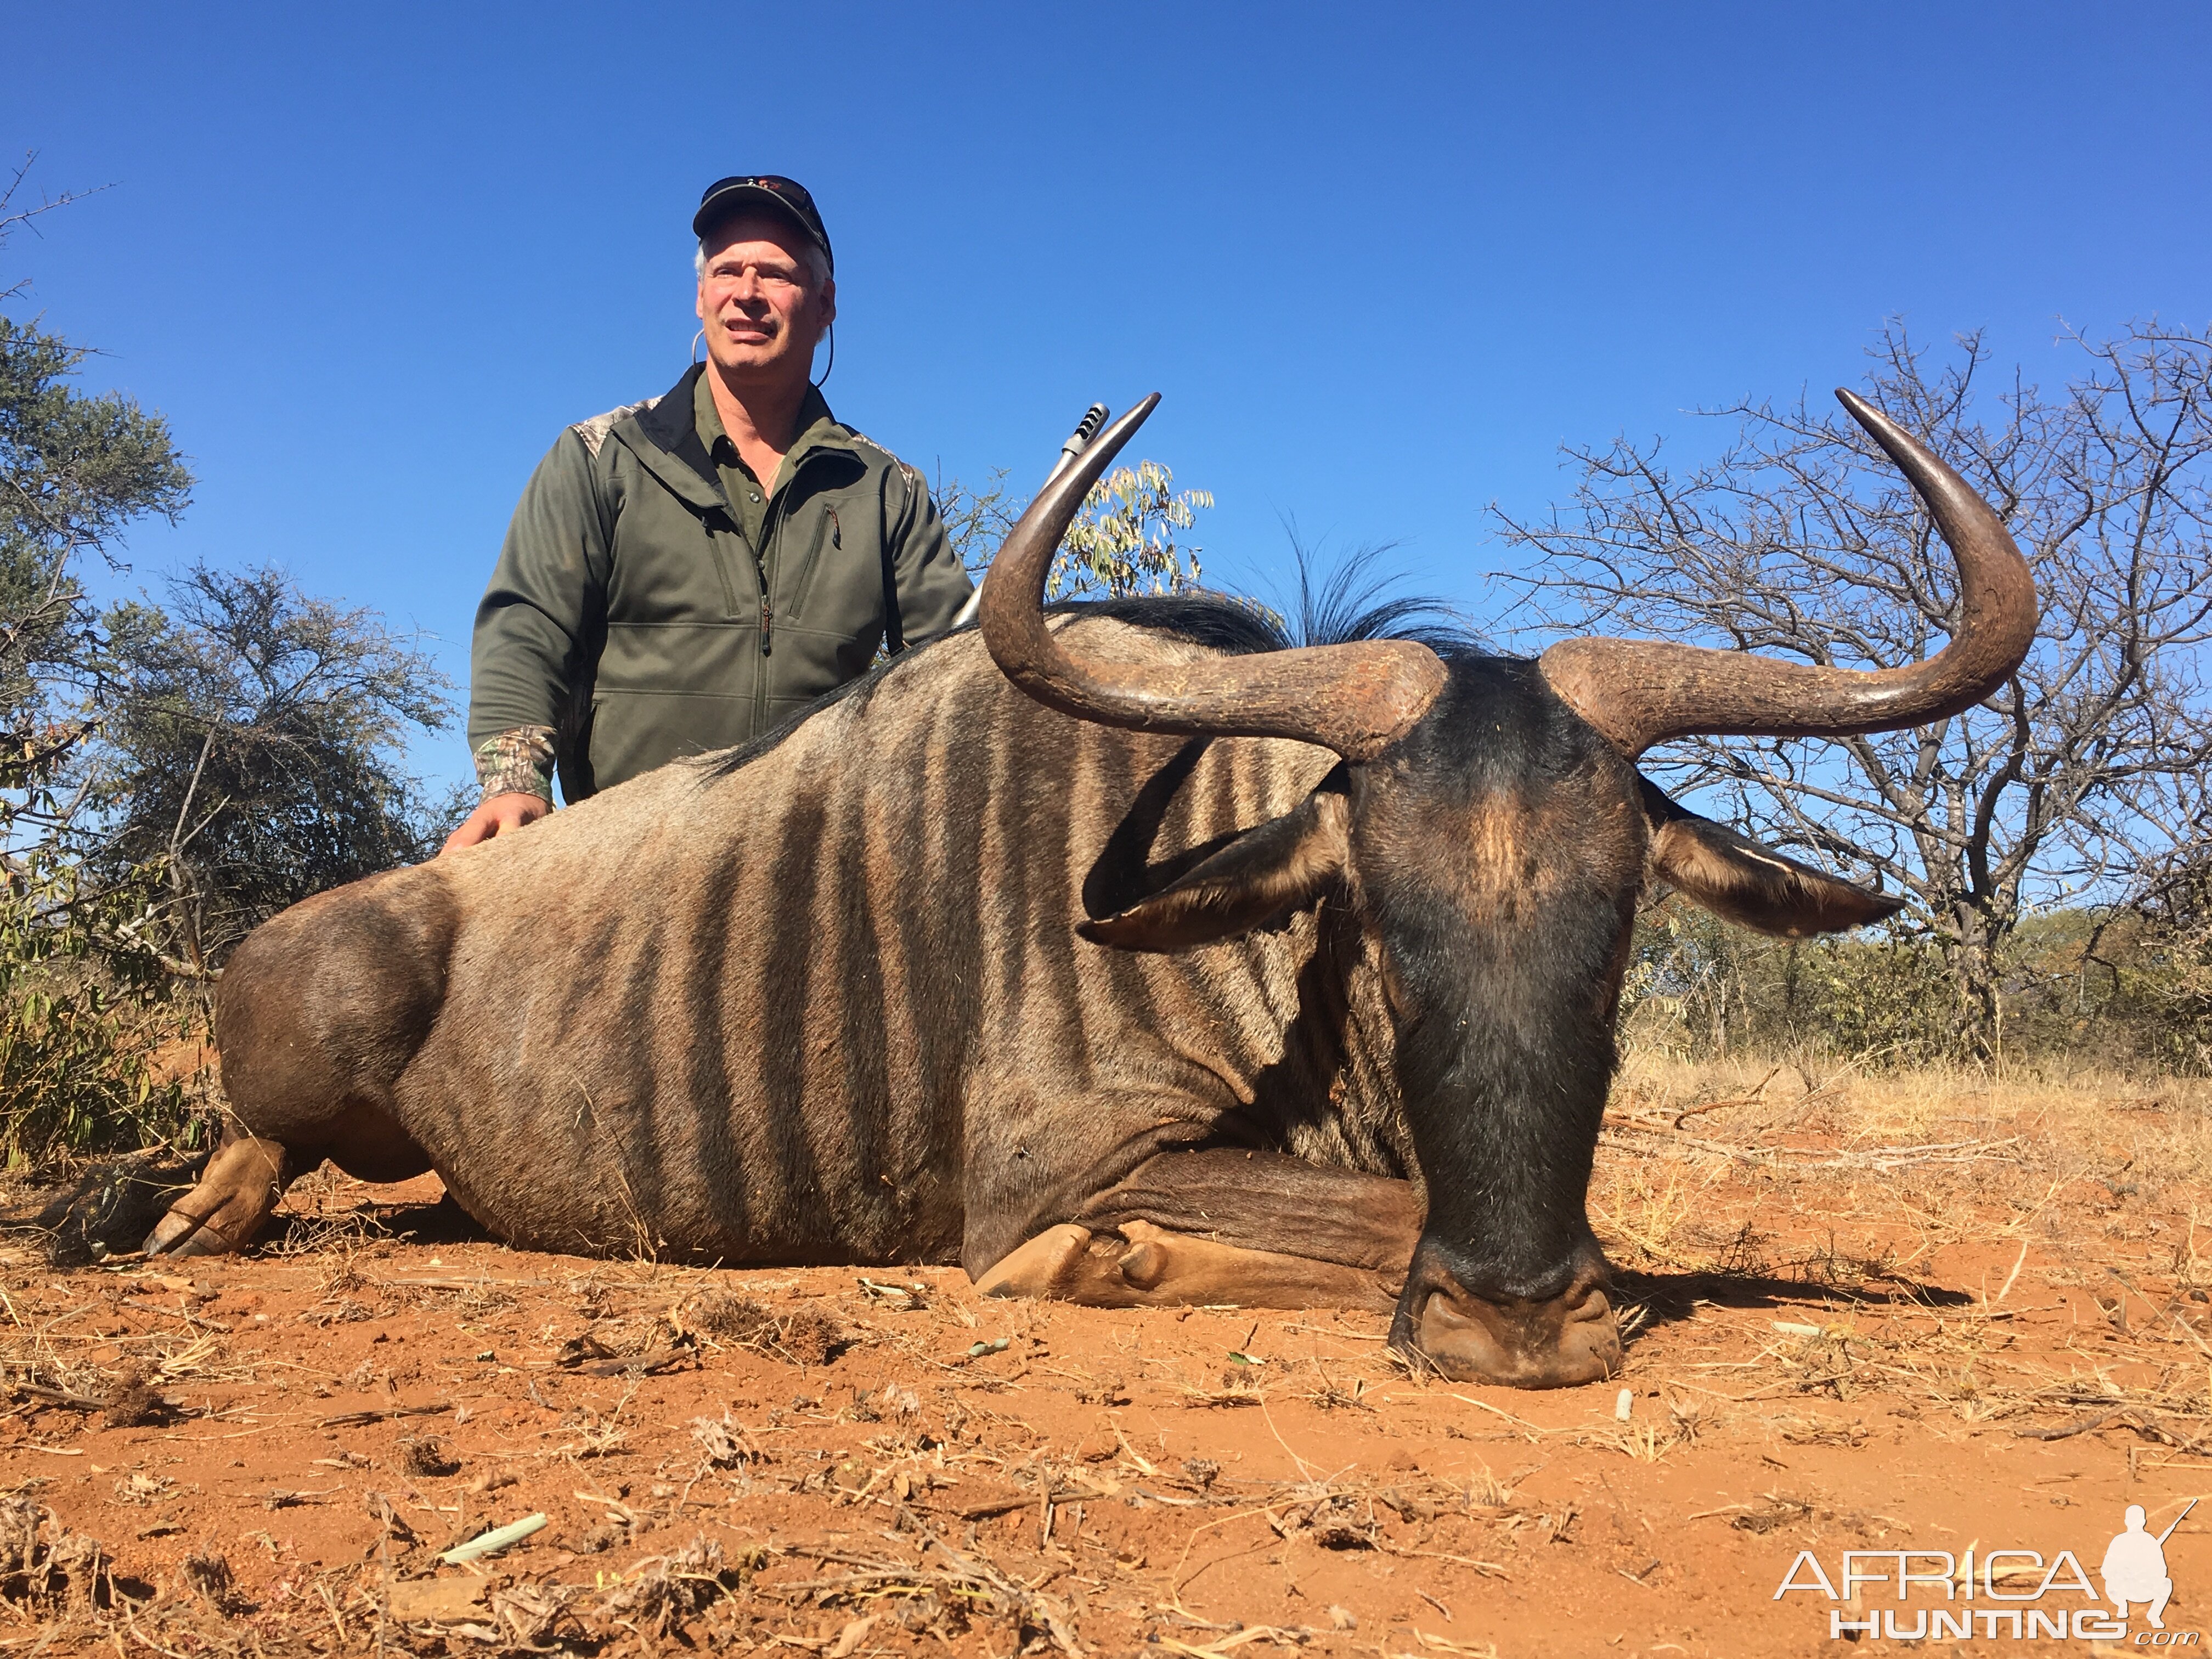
x=360, y=1420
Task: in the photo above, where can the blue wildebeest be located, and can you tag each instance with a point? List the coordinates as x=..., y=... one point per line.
x=1154, y=961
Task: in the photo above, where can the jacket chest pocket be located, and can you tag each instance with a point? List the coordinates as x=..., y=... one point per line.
x=683, y=567
x=733, y=568
x=803, y=547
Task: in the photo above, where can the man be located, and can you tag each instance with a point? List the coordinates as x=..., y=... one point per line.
x=685, y=572
x=2135, y=1569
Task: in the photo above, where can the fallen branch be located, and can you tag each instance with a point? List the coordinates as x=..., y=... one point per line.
x=2148, y=1427
x=361, y=1419
x=644, y=1365
x=74, y=1402
x=1881, y=1159
x=1683, y=1116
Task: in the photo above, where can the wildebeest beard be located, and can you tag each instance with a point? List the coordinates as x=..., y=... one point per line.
x=1142, y=957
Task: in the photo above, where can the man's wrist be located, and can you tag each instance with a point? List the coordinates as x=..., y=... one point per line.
x=519, y=762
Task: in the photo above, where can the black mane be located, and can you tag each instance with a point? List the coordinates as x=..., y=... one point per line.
x=1347, y=609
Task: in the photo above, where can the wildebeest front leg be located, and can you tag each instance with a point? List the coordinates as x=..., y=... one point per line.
x=1258, y=1229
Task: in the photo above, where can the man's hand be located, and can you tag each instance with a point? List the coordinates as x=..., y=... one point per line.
x=501, y=815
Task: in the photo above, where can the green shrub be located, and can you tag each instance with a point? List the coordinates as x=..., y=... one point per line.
x=82, y=1070
x=1887, y=999
x=2077, y=984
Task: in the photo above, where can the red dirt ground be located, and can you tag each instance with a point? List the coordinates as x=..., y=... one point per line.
x=1928, y=1319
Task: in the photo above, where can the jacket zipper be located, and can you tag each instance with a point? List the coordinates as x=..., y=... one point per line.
x=767, y=617
x=767, y=603
x=769, y=526
x=760, y=565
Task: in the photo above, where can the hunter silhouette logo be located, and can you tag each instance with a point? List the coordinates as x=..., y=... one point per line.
x=2134, y=1567
x=1998, y=1593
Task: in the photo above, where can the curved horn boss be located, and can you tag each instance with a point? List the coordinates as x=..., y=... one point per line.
x=1359, y=699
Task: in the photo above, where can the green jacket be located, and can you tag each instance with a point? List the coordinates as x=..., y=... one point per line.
x=631, y=621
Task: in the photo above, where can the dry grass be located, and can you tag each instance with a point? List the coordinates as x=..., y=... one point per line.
x=1820, y=1266
x=1847, y=1191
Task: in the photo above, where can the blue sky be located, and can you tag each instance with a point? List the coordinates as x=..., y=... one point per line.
x=1380, y=261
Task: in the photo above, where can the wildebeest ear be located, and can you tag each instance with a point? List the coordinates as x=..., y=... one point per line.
x=1734, y=877
x=1284, y=864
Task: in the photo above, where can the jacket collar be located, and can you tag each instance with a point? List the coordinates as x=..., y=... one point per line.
x=672, y=451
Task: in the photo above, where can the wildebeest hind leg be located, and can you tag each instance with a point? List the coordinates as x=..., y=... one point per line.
x=1258, y=1229
x=320, y=1012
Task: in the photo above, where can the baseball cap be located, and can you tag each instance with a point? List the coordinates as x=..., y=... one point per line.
x=753, y=189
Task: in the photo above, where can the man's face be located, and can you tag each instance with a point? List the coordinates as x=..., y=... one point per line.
x=763, y=309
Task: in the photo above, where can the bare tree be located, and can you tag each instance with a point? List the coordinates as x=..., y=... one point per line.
x=1801, y=541
x=253, y=754
x=18, y=215
x=2158, y=952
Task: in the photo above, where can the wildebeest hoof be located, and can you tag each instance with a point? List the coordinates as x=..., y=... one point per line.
x=1140, y=1265
x=1556, y=1344
x=1041, y=1267
x=179, y=1234
x=1145, y=1264
x=239, y=1188
x=1162, y=1268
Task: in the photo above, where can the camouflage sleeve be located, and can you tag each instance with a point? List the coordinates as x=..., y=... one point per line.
x=520, y=761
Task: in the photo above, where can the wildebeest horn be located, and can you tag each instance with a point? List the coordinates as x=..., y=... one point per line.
x=1356, y=699
x=1640, y=692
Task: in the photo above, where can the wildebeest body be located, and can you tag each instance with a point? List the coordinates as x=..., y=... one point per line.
x=828, y=1005
x=1144, y=958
